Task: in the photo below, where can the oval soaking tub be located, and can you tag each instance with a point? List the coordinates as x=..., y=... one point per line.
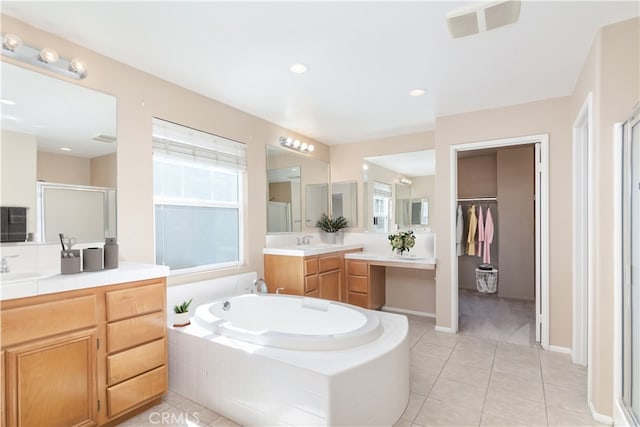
x=290, y=322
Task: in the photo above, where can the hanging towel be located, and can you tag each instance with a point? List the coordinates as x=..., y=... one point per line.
x=488, y=237
x=459, y=247
x=480, y=231
x=471, y=236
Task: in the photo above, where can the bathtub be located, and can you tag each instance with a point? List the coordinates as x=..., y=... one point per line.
x=287, y=360
x=290, y=322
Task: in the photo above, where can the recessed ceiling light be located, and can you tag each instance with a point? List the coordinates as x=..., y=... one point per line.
x=298, y=68
x=418, y=92
x=65, y=149
x=7, y=102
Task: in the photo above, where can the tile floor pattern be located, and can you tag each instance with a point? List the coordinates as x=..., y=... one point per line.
x=456, y=380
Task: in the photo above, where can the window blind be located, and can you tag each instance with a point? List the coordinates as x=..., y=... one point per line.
x=381, y=189
x=177, y=141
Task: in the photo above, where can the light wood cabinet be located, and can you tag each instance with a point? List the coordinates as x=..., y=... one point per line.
x=320, y=276
x=85, y=357
x=365, y=284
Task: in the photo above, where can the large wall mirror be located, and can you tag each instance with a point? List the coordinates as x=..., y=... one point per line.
x=399, y=191
x=58, y=156
x=297, y=191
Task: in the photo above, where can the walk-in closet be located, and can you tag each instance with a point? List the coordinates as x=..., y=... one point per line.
x=495, y=243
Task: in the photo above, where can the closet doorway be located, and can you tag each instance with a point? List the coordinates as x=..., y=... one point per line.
x=503, y=294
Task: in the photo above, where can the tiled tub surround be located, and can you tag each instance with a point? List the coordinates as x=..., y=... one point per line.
x=256, y=385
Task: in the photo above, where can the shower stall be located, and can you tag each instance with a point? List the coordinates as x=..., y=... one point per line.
x=630, y=384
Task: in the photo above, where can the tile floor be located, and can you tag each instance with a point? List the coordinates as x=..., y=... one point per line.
x=456, y=380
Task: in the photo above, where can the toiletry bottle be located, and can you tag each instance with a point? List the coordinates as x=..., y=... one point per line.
x=110, y=253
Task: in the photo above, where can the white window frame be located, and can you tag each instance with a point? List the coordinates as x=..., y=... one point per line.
x=239, y=204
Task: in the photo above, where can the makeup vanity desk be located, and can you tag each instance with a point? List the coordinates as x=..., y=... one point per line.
x=365, y=274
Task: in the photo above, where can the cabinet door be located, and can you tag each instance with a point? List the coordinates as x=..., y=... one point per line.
x=330, y=285
x=52, y=382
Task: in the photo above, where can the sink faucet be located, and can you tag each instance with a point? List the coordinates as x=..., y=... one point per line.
x=259, y=287
x=306, y=239
x=4, y=266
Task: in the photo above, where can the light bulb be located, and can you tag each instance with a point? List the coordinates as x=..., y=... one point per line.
x=11, y=42
x=78, y=66
x=298, y=68
x=311, y=147
x=304, y=146
x=296, y=143
x=48, y=55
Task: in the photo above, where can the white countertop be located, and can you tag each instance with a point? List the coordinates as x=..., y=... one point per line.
x=305, y=250
x=391, y=260
x=26, y=284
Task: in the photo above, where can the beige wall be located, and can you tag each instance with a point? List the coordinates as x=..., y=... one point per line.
x=140, y=97
x=103, y=171
x=549, y=116
x=63, y=169
x=18, y=173
x=410, y=289
x=346, y=160
x=611, y=73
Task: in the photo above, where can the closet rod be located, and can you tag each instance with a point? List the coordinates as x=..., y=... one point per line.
x=478, y=199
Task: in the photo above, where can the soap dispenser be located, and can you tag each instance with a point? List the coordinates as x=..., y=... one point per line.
x=110, y=253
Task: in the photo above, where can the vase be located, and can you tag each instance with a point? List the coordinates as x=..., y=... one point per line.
x=330, y=238
x=399, y=252
x=181, y=319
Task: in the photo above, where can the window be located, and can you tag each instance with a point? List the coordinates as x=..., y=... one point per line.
x=198, y=190
x=381, y=206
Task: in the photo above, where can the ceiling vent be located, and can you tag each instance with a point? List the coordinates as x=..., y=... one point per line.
x=104, y=138
x=486, y=16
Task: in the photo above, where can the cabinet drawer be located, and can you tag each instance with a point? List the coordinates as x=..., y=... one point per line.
x=331, y=262
x=357, y=268
x=310, y=283
x=130, y=363
x=131, y=332
x=43, y=320
x=137, y=390
x=361, y=300
x=314, y=294
x=135, y=301
x=358, y=284
x=310, y=266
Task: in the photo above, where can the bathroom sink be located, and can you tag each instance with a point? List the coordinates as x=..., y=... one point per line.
x=22, y=276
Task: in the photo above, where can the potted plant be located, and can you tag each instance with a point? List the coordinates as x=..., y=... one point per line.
x=331, y=226
x=181, y=314
x=402, y=241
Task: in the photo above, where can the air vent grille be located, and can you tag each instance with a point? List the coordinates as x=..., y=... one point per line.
x=104, y=138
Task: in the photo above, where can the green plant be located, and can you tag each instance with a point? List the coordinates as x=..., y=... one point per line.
x=402, y=241
x=182, y=308
x=329, y=225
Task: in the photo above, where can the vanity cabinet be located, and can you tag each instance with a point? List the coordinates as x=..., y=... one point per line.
x=84, y=357
x=365, y=284
x=320, y=276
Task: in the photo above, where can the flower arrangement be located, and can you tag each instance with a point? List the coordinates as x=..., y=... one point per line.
x=402, y=241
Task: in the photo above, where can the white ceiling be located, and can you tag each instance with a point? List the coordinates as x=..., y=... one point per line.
x=417, y=163
x=363, y=57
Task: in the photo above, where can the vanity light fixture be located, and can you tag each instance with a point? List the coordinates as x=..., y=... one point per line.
x=404, y=181
x=296, y=144
x=65, y=149
x=13, y=47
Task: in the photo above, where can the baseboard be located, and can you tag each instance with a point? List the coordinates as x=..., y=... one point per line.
x=558, y=349
x=405, y=311
x=444, y=329
x=601, y=418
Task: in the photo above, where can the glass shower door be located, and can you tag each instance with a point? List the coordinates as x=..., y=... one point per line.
x=631, y=274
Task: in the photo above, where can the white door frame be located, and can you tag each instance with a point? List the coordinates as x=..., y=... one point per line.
x=543, y=277
x=583, y=214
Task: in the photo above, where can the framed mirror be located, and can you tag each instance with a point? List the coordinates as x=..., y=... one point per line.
x=62, y=135
x=344, y=201
x=297, y=190
x=399, y=190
